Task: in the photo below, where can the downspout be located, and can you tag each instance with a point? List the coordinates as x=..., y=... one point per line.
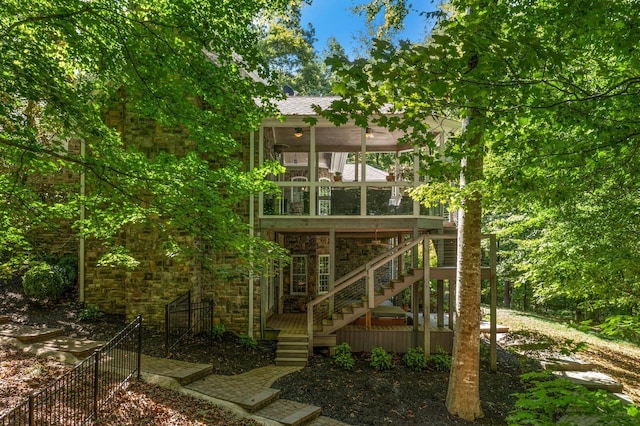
x=81, y=247
x=251, y=233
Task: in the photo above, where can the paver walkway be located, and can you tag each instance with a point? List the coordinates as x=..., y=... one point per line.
x=247, y=395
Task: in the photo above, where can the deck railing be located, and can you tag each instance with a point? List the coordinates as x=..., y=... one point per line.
x=78, y=396
x=360, y=285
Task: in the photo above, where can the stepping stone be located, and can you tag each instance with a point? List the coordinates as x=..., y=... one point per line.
x=264, y=398
x=184, y=372
x=290, y=412
x=80, y=348
x=27, y=333
x=567, y=364
x=592, y=380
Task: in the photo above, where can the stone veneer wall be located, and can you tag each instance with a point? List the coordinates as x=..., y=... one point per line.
x=351, y=254
x=158, y=279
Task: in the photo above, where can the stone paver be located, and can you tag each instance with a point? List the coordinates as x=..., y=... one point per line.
x=251, y=390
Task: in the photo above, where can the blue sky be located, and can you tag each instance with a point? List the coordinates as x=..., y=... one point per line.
x=334, y=18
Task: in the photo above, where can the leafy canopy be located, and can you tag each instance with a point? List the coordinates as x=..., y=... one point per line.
x=184, y=64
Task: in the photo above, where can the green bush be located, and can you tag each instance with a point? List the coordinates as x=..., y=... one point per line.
x=415, y=359
x=344, y=357
x=43, y=281
x=380, y=359
x=69, y=268
x=90, y=313
x=625, y=327
x=550, y=401
x=217, y=331
x=440, y=361
x=248, y=341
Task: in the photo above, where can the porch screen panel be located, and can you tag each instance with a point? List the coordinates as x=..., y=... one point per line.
x=298, y=274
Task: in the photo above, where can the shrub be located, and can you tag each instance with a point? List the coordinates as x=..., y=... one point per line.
x=248, y=341
x=625, y=327
x=415, y=359
x=90, y=313
x=380, y=359
x=344, y=357
x=440, y=361
x=217, y=331
x=44, y=282
x=548, y=400
x=69, y=268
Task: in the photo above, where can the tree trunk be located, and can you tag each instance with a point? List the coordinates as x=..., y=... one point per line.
x=463, y=396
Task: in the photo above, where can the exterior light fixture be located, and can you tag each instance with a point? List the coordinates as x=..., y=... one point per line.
x=368, y=132
x=297, y=132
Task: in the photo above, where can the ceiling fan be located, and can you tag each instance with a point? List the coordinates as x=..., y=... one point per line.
x=375, y=242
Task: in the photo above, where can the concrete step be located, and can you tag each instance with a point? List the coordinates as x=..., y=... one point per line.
x=28, y=333
x=567, y=364
x=326, y=421
x=290, y=413
x=258, y=401
x=183, y=372
x=79, y=348
x=591, y=380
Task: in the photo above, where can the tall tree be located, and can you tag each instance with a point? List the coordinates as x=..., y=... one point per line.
x=550, y=90
x=185, y=64
x=288, y=47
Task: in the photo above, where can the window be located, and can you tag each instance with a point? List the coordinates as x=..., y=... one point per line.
x=324, y=267
x=324, y=198
x=298, y=274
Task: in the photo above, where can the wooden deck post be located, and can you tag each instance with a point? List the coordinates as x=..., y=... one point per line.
x=426, y=296
x=493, y=303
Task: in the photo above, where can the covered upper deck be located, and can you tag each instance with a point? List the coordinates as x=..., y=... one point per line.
x=342, y=171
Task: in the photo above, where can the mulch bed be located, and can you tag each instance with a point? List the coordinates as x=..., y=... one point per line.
x=362, y=396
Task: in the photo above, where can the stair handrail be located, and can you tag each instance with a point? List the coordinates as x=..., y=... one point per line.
x=373, y=266
x=363, y=271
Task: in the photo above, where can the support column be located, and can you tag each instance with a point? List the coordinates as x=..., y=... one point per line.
x=440, y=302
x=493, y=305
x=426, y=297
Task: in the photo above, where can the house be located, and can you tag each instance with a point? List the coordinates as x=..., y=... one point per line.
x=358, y=243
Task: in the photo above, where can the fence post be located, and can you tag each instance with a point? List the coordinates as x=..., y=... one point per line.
x=96, y=386
x=166, y=331
x=189, y=310
x=139, y=344
x=32, y=420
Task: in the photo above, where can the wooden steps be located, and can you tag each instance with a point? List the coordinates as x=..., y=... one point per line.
x=292, y=350
x=357, y=309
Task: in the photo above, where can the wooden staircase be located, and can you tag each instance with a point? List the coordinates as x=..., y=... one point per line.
x=361, y=290
x=350, y=313
x=292, y=350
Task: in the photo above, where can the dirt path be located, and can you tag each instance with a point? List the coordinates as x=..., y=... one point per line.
x=619, y=360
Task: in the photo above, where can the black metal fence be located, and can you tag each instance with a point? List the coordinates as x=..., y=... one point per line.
x=184, y=319
x=78, y=396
